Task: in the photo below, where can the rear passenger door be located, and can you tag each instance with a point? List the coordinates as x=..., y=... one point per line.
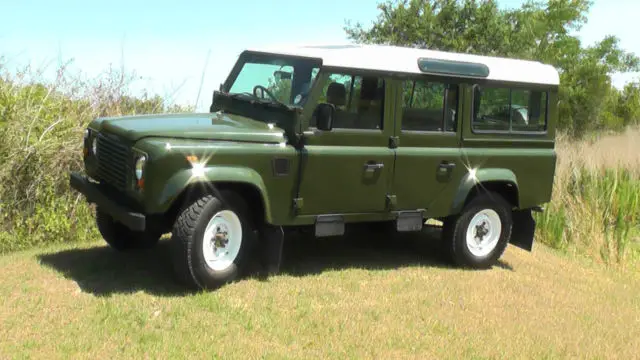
x=428, y=163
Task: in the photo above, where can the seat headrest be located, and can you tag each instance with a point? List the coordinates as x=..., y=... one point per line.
x=337, y=94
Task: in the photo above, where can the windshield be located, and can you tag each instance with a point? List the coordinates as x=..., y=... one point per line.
x=273, y=78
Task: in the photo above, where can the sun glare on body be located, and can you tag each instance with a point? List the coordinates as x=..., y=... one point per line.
x=197, y=169
x=472, y=174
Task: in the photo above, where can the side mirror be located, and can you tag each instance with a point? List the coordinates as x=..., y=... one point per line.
x=325, y=114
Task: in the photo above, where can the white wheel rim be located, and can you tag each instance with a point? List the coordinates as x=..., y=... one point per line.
x=484, y=232
x=222, y=240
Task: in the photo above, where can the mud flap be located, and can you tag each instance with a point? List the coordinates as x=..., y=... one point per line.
x=524, y=228
x=272, y=241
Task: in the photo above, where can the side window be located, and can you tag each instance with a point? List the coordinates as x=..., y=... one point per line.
x=491, y=107
x=501, y=109
x=359, y=101
x=528, y=110
x=429, y=106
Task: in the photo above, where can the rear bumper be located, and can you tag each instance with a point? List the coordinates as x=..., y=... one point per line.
x=133, y=220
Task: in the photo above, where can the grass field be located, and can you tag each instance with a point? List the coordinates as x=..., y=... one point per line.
x=336, y=299
x=340, y=298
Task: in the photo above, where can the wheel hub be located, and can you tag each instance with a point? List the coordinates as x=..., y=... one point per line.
x=220, y=237
x=483, y=232
x=222, y=240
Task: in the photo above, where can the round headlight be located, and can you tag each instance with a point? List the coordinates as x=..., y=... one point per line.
x=86, y=133
x=140, y=166
x=94, y=146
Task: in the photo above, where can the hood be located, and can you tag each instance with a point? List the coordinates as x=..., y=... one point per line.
x=205, y=126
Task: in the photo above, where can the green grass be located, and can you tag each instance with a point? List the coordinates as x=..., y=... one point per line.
x=336, y=299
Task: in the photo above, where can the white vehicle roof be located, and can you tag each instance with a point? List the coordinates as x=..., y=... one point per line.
x=405, y=60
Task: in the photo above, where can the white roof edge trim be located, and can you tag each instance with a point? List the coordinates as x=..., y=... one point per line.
x=400, y=59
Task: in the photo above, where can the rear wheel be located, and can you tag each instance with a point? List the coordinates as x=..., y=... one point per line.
x=120, y=237
x=210, y=240
x=478, y=236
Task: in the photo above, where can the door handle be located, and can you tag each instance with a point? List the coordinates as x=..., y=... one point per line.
x=445, y=165
x=371, y=166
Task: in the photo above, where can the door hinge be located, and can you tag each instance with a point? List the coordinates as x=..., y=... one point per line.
x=298, y=203
x=391, y=202
x=394, y=141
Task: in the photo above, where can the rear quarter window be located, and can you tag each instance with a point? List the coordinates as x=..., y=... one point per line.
x=497, y=109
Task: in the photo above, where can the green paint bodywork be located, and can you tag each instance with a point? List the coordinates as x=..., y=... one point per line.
x=190, y=126
x=326, y=173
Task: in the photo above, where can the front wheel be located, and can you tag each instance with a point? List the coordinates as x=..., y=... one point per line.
x=210, y=240
x=478, y=236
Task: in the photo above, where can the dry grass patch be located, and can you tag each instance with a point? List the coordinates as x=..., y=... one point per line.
x=336, y=299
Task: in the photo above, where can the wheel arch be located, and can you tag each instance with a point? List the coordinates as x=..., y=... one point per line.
x=506, y=189
x=183, y=188
x=501, y=181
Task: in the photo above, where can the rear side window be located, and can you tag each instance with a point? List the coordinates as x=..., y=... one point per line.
x=509, y=110
x=429, y=106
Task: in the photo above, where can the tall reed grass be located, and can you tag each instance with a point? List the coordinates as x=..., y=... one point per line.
x=595, y=208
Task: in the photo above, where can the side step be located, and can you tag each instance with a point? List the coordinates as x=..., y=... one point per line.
x=410, y=221
x=333, y=225
x=329, y=225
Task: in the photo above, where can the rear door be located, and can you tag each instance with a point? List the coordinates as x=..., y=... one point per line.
x=349, y=169
x=428, y=165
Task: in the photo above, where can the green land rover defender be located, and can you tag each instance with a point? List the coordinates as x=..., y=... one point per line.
x=321, y=138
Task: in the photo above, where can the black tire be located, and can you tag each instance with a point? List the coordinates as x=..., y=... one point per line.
x=120, y=237
x=188, y=236
x=455, y=231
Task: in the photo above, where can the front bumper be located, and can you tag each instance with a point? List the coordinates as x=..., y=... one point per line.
x=95, y=194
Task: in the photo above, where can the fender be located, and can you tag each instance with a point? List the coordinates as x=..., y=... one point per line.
x=179, y=181
x=481, y=176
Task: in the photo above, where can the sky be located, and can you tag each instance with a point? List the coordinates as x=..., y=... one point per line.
x=184, y=50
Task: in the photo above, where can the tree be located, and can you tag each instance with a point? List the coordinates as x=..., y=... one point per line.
x=541, y=31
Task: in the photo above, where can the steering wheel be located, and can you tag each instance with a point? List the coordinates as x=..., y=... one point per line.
x=263, y=90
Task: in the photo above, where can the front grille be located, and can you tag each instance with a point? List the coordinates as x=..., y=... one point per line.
x=114, y=161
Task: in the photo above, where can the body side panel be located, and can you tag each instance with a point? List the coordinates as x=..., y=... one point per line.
x=526, y=159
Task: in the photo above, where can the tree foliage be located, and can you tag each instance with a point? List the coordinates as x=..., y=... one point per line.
x=541, y=31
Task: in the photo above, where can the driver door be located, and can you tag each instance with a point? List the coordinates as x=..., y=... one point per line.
x=348, y=169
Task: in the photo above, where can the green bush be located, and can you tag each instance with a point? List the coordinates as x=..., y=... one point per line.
x=41, y=126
